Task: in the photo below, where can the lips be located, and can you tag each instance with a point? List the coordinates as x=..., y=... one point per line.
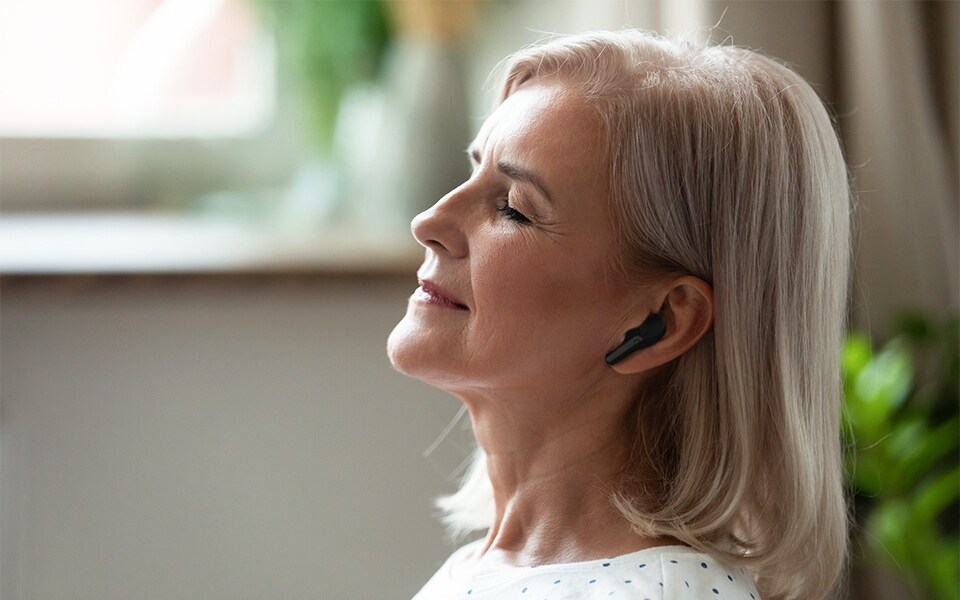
x=440, y=294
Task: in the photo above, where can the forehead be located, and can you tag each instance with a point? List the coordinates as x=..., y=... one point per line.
x=548, y=128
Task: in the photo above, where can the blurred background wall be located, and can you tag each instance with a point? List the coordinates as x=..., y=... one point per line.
x=192, y=438
x=231, y=427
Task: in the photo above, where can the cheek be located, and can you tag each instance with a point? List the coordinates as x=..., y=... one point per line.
x=523, y=287
x=505, y=279
x=536, y=277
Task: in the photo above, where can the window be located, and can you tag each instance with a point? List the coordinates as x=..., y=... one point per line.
x=138, y=104
x=133, y=68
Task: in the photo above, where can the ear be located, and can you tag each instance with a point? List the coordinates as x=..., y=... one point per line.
x=686, y=305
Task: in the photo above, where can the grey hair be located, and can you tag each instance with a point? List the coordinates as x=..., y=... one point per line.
x=723, y=164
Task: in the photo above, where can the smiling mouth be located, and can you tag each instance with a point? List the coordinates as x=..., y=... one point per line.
x=430, y=293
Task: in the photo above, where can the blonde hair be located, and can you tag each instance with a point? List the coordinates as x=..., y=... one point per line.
x=724, y=164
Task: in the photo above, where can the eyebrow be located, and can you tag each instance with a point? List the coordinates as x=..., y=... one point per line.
x=515, y=172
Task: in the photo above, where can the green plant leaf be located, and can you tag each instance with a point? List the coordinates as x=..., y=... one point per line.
x=868, y=472
x=879, y=390
x=329, y=46
x=915, y=457
x=856, y=354
x=943, y=571
x=901, y=449
x=889, y=526
x=937, y=495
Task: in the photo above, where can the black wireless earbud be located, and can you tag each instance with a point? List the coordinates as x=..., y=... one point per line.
x=647, y=334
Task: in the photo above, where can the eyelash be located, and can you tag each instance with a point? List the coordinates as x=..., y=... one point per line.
x=512, y=213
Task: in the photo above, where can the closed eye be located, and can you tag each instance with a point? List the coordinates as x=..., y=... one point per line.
x=513, y=214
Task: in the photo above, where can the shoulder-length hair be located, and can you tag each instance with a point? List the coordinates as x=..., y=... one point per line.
x=723, y=164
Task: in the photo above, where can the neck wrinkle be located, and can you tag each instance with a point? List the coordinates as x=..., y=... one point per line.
x=553, y=501
x=554, y=458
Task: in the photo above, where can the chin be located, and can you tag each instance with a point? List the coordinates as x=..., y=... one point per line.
x=407, y=348
x=395, y=346
x=416, y=354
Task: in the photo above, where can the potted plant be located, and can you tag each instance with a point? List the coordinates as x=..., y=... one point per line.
x=324, y=48
x=901, y=438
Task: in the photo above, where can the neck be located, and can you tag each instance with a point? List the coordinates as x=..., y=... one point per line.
x=553, y=471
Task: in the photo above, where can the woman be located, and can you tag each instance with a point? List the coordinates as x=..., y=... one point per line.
x=695, y=199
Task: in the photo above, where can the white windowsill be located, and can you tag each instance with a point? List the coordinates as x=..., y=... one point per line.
x=145, y=243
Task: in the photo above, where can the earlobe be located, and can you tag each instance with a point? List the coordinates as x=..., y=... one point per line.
x=685, y=315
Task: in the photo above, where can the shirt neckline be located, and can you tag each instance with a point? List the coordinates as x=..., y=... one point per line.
x=570, y=566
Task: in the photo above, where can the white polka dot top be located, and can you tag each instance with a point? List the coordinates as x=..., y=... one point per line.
x=660, y=573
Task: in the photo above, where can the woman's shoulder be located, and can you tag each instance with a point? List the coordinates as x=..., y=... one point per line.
x=688, y=573
x=659, y=573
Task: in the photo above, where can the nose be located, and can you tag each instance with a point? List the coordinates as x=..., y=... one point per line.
x=441, y=227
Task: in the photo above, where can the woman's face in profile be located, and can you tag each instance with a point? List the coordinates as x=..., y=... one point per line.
x=522, y=244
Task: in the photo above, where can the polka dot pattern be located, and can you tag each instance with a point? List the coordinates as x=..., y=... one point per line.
x=662, y=573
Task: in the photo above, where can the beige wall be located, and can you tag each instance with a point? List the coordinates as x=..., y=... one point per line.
x=185, y=439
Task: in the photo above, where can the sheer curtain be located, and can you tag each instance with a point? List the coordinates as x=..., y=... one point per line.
x=898, y=90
